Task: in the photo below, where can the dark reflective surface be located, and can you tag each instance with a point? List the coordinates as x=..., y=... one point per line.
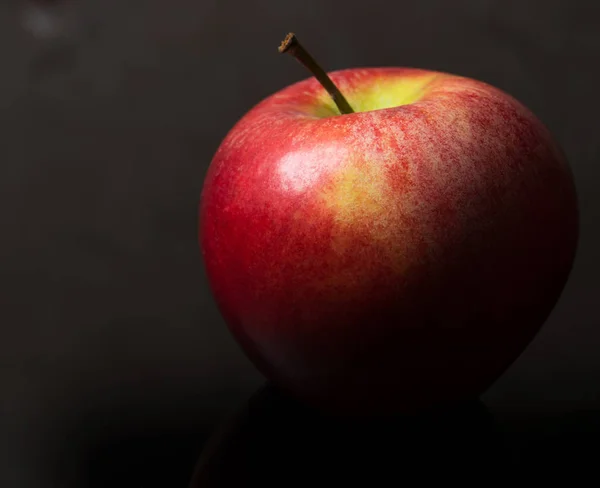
x=274, y=441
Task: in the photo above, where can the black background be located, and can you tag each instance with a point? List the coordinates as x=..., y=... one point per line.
x=114, y=362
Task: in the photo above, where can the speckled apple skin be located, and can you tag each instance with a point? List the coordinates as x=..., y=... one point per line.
x=391, y=259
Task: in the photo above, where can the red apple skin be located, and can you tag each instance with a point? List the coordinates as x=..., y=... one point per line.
x=390, y=260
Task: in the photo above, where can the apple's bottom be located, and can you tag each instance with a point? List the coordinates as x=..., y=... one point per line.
x=275, y=441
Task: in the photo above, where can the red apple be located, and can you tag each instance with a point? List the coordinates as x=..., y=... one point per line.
x=393, y=258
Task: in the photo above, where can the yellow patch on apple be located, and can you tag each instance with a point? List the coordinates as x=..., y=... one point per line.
x=355, y=194
x=359, y=199
x=377, y=94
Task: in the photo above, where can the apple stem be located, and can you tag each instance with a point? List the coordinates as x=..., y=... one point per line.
x=291, y=45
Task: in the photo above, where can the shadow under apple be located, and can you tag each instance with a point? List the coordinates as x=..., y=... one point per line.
x=274, y=441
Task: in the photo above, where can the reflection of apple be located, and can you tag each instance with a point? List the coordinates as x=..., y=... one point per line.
x=391, y=258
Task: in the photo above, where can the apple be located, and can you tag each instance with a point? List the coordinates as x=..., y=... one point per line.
x=392, y=248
